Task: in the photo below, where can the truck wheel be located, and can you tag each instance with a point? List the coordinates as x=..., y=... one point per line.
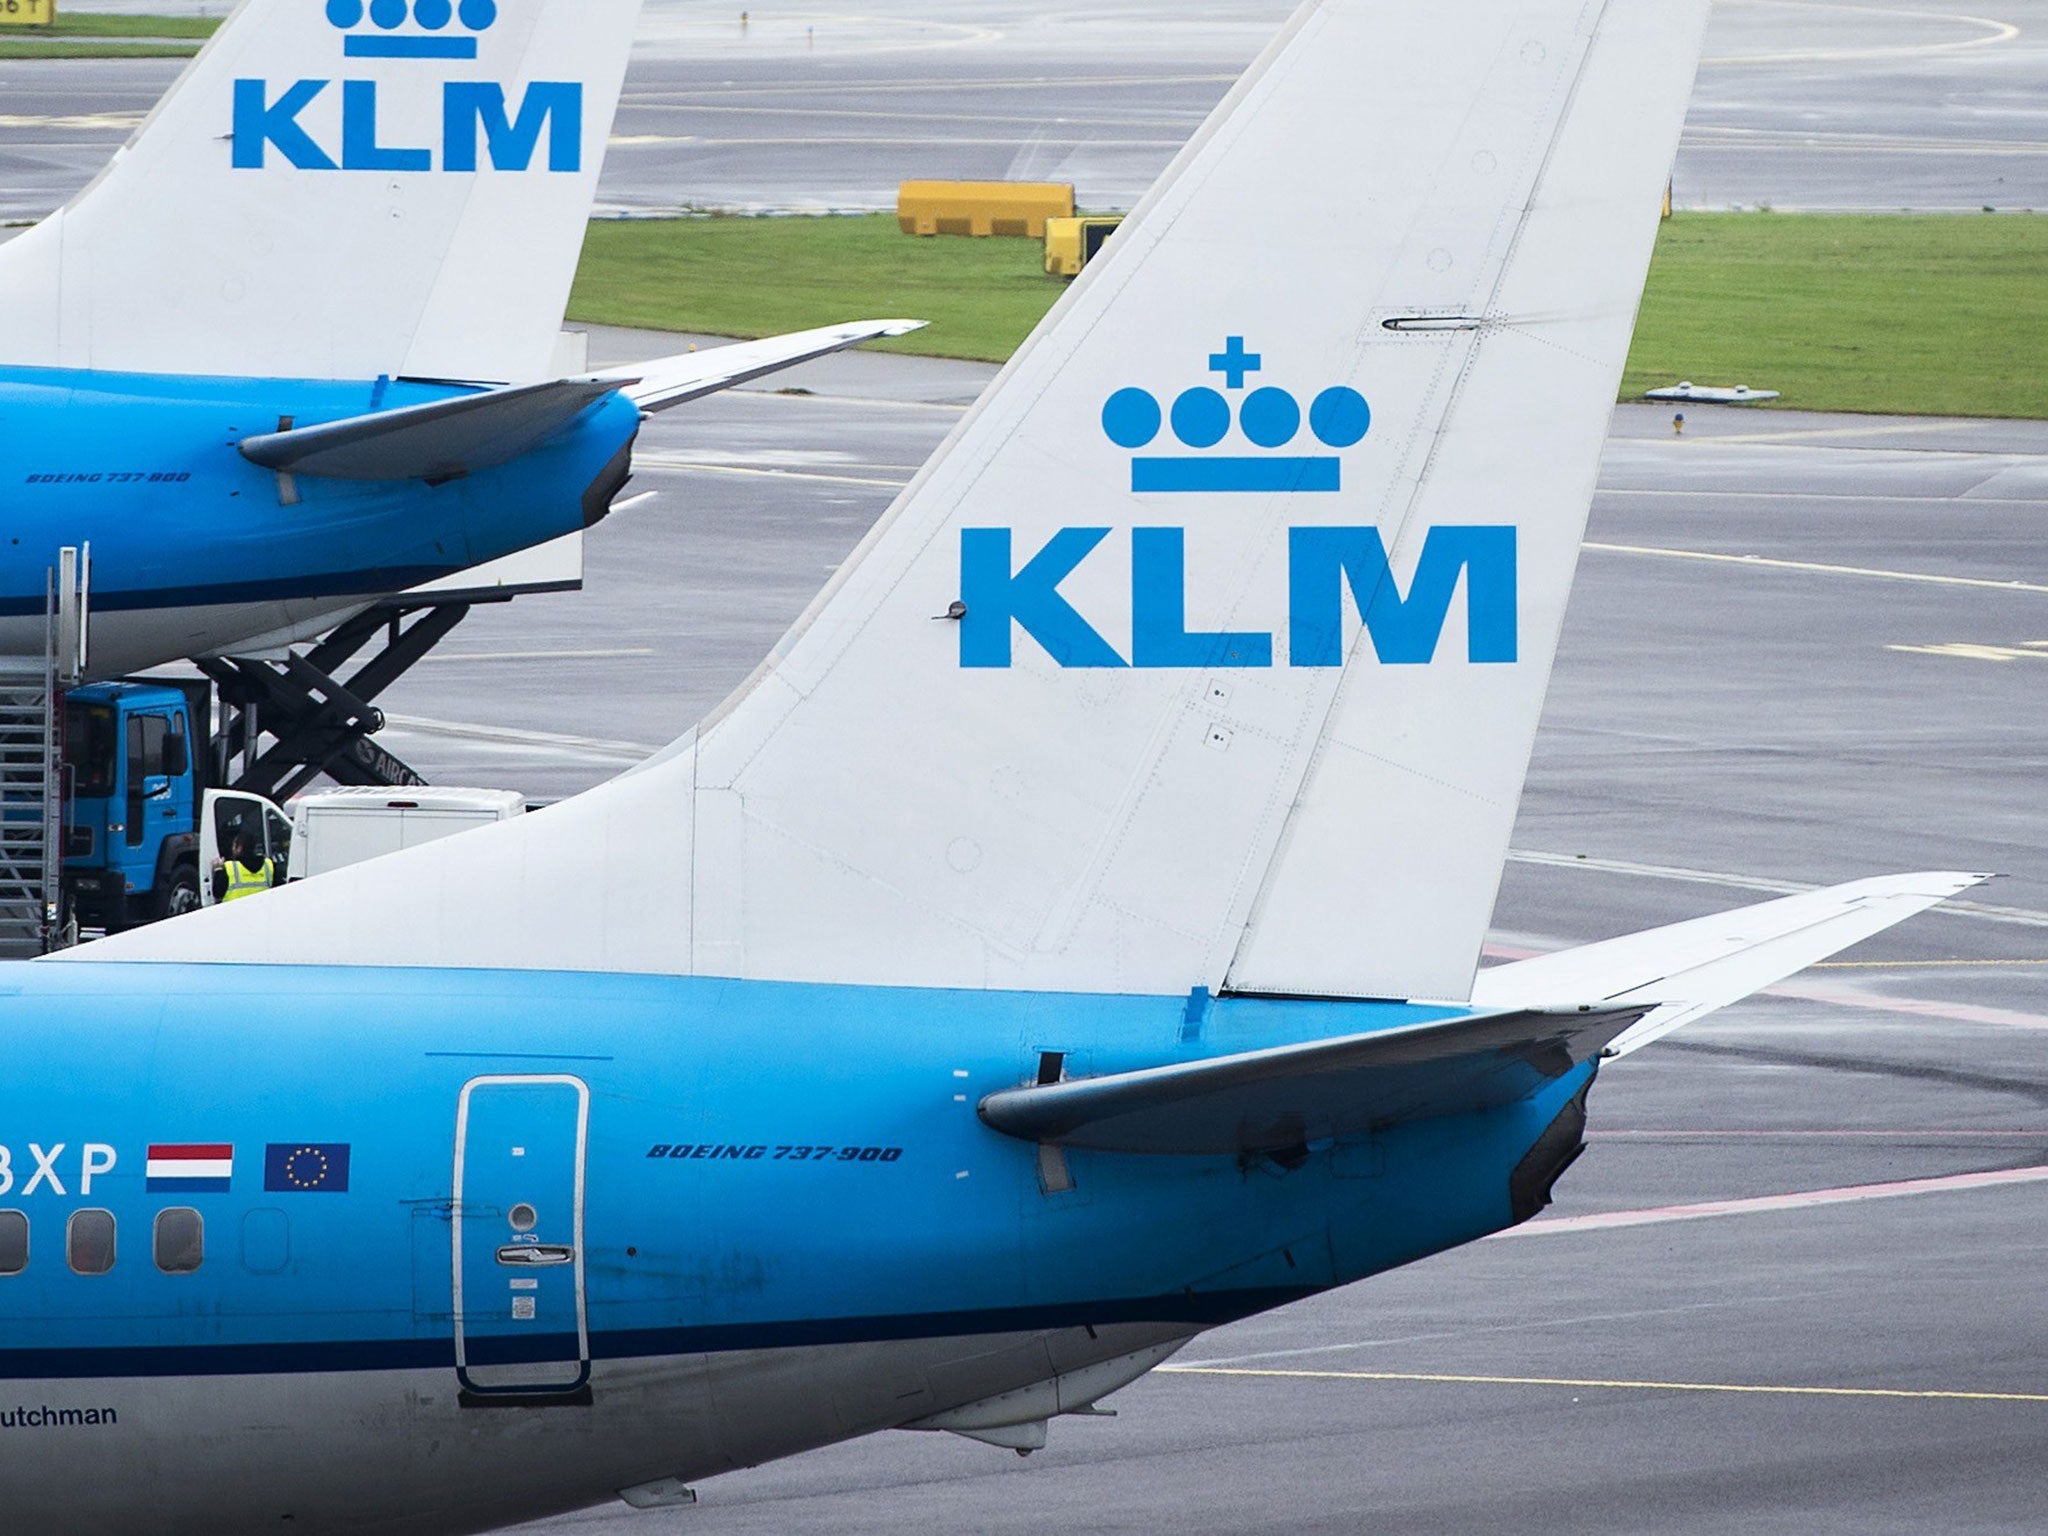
x=181, y=894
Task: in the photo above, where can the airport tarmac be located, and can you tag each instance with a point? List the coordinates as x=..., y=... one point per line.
x=1802, y=649
x=1790, y=1286
x=1801, y=103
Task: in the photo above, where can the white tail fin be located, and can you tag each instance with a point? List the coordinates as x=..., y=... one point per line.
x=338, y=190
x=1093, y=707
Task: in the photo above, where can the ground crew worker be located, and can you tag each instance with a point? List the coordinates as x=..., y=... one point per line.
x=242, y=873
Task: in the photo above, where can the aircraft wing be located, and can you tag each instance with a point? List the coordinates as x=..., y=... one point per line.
x=1684, y=971
x=445, y=439
x=670, y=381
x=1266, y=1100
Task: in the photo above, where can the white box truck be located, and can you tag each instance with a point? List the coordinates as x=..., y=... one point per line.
x=330, y=828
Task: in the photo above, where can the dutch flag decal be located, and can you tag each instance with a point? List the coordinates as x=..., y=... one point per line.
x=198, y=1168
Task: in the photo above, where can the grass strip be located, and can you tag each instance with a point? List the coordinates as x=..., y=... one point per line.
x=92, y=35
x=15, y=48
x=1932, y=314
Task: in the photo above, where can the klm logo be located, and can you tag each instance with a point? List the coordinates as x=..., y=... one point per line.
x=1330, y=571
x=1267, y=418
x=480, y=127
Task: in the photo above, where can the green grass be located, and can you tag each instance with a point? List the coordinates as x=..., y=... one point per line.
x=91, y=24
x=1914, y=314
x=1935, y=314
x=758, y=277
x=87, y=35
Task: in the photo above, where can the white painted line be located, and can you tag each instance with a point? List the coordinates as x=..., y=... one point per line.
x=1762, y=562
x=1604, y=1221
x=885, y=87
x=1969, y=499
x=689, y=467
x=591, y=746
x=2023, y=917
x=586, y=655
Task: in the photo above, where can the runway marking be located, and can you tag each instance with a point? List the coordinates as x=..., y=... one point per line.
x=689, y=466
x=1907, y=965
x=1803, y=141
x=2026, y=650
x=1996, y=32
x=585, y=746
x=1191, y=119
x=578, y=655
x=958, y=34
x=1962, y=499
x=1576, y=1320
x=1032, y=141
x=113, y=122
x=1766, y=562
x=1842, y=1134
x=1448, y=1378
x=2024, y=917
x=886, y=87
x=1802, y=1200
x=1932, y=1133
x=1816, y=434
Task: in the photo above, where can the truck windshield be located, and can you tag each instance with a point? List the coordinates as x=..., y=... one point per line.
x=89, y=748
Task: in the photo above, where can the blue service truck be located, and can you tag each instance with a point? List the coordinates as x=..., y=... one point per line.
x=136, y=772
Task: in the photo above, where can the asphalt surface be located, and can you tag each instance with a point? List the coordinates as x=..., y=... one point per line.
x=1801, y=103
x=1801, y=649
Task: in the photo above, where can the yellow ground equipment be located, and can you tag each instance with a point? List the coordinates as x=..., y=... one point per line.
x=980, y=207
x=1070, y=244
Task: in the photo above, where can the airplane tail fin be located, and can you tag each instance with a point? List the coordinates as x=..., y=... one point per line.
x=1684, y=971
x=1209, y=649
x=338, y=190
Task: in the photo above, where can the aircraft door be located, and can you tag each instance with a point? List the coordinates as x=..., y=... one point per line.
x=521, y=1326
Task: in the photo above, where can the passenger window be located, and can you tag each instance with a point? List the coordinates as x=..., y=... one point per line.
x=13, y=1242
x=89, y=1242
x=180, y=1241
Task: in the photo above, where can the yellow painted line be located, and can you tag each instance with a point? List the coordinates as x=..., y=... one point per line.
x=1873, y=573
x=1822, y=434
x=1593, y=1383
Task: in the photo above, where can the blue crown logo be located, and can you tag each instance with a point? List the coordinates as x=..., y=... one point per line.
x=432, y=17
x=1268, y=418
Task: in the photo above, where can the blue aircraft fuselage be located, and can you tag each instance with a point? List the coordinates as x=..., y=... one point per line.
x=431, y=1250
x=195, y=549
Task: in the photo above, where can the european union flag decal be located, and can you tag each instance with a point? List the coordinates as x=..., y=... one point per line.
x=306, y=1168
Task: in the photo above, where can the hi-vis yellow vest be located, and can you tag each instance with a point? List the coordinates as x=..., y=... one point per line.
x=244, y=882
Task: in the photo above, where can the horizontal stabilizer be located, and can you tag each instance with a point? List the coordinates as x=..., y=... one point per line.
x=1263, y=1101
x=1689, y=969
x=440, y=440
x=445, y=439
x=670, y=381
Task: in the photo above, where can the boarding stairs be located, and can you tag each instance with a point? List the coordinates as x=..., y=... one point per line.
x=31, y=768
